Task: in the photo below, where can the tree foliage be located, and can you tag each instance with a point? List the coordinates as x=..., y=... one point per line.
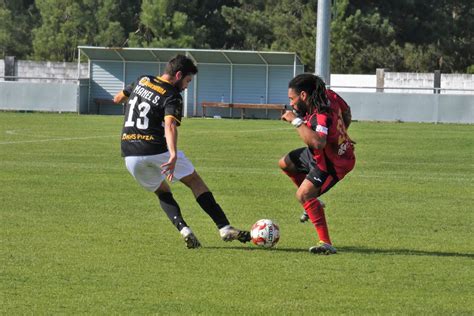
x=404, y=35
x=17, y=18
x=362, y=42
x=64, y=25
x=428, y=35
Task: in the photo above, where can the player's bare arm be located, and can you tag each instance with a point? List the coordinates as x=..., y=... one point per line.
x=171, y=135
x=120, y=98
x=309, y=137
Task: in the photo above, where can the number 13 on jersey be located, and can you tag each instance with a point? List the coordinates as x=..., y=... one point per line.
x=141, y=121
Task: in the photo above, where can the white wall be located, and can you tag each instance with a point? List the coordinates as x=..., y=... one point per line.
x=408, y=80
x=338, y=82
x=457, y=81
x=426, y=80
x=46, y=69
x=49, y=69
x=404, y=80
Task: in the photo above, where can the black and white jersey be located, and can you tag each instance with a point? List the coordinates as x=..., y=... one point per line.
x=150, y=99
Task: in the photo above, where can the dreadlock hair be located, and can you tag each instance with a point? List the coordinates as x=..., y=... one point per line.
x=315, y=87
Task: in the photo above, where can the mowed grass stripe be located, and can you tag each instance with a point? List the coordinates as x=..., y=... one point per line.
x=394, y=176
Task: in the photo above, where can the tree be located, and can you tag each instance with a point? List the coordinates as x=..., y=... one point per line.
x=65, y=25
x=294, y=28
x=161, y=25
x=438, y=31
x=458, y=44
x=362, y=42
x=274, y=25
x=209, y=22
x=17, y=18
x=173, y=23
x=109, y=31
x=248, y=25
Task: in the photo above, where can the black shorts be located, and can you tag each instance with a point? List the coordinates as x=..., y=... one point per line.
x=304, y=161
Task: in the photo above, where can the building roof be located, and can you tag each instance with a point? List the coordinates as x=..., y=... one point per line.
x=200, y=56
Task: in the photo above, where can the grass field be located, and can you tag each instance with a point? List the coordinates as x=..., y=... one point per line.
x=79, y=236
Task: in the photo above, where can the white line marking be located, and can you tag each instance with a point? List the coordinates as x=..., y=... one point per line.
x=56, y=139
x=244, y=131
x=118, y=136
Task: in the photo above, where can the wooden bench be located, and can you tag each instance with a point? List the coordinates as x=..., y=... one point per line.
x=242, y=107
x=99, y=102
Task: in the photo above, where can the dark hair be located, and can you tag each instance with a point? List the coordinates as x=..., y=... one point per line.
x=181, y=63
x=315, y=87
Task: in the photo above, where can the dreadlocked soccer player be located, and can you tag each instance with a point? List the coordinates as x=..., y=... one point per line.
x=320, y=118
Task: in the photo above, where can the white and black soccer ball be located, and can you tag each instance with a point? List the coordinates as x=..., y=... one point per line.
x=265, y=233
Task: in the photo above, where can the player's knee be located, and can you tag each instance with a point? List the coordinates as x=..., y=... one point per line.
x=304, y=196
x=195, y=183
x=300, y=197
x=282, y=163
x=196, y=180
x=163, y=188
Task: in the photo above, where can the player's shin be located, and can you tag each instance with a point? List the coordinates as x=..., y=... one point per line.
x=172, y=210
x=315, y=211
x=210, y=206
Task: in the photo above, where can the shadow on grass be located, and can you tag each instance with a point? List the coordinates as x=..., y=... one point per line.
x=404, y=252
x=251, y=248
x=360, y=250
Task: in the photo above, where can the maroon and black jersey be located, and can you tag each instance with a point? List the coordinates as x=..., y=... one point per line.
x=150, y=99
x=337, y=157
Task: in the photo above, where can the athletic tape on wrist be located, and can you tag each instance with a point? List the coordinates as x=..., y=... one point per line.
x=297, y=122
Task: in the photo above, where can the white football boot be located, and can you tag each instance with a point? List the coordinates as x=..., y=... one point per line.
x=189, y=238
x=229, y=233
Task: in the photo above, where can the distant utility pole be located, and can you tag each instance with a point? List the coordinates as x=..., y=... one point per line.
x=322, y=40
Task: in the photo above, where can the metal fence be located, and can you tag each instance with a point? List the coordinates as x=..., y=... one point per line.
x=403, y=89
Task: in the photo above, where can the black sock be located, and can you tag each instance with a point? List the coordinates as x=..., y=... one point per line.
x=171, y=208
x=210, y=206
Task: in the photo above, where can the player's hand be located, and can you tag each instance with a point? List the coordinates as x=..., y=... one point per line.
x=168, y=168
x=288, y=116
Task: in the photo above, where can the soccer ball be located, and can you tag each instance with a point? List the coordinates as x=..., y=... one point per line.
x=265, y=233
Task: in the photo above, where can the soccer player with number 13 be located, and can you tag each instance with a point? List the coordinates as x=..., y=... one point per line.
x=149, y=144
